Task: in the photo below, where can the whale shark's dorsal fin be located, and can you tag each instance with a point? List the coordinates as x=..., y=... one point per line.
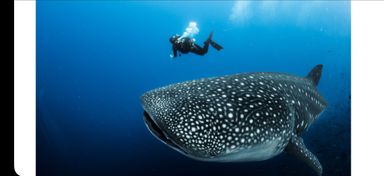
x=297, y=148
x=315, y=74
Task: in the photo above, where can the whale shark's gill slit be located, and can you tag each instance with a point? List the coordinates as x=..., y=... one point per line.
x=155, y=129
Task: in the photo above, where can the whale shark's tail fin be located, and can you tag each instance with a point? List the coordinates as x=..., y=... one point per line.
x=315, y=74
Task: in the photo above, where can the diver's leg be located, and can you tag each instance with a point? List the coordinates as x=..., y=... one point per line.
x=202, y=50
x=199, y=50
x=206, y=43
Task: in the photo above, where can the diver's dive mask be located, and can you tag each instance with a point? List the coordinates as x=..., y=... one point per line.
x=174, y=38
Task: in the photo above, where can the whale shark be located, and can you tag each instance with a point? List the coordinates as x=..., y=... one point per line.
x=235, y=118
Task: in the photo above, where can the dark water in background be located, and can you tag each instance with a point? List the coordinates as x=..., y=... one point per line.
x=94, y=60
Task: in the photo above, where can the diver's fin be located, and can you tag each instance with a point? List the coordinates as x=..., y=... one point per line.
x=315, y=74
x=209, y=39
x=213, y=44
x=210, y=36
x=216, y=46
x=297, y=148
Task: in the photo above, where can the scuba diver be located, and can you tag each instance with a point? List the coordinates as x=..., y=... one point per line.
x=185, y=44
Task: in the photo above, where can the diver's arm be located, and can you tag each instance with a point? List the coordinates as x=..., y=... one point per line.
x=174, y=51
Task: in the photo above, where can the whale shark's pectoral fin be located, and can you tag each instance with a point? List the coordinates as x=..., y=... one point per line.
x=297, y=148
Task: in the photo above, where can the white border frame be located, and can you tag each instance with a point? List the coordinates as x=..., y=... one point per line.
x=25, y=87
x=367, y=54
x=367, y=87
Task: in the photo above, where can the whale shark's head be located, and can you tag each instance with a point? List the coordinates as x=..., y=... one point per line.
x=218, y=119
x=178, y=122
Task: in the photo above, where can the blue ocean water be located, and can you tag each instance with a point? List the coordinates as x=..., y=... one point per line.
x=96, y=58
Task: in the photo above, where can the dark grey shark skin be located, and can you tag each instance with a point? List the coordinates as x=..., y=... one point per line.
x=241, y=117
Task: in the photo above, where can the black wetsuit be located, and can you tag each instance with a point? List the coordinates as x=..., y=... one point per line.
x=186, y=45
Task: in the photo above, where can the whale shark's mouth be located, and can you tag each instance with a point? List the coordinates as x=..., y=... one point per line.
x=156, y=130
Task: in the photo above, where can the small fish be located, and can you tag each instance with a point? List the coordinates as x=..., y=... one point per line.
x=234, y=118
